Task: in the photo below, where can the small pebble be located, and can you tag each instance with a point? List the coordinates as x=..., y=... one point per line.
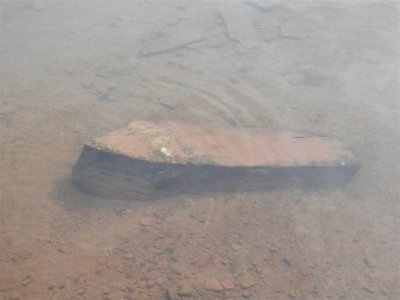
x=150, y=283
x=246, y=281
x=146, y=221
x=186, y=290
x=273, y=249
x=142, y=284
x=128, y=256
x=61, y=286
x=236, y=247
x=159, y=281
x=370, y=263
x=228, y=284
x=246, y=295
x=26, y=280
x=212, y=284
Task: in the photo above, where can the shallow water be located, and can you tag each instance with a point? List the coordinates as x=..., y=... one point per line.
x=74, y=70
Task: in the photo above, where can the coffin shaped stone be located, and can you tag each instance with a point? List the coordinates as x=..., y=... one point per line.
x=149, y=160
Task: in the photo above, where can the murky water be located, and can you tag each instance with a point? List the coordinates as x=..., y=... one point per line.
x=74, y=70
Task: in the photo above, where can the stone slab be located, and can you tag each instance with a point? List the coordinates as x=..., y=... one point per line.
x=147, y=160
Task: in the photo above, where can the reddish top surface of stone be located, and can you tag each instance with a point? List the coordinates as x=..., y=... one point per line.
x=173, y=142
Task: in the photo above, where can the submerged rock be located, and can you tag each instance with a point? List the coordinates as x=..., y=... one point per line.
x=148, y=160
